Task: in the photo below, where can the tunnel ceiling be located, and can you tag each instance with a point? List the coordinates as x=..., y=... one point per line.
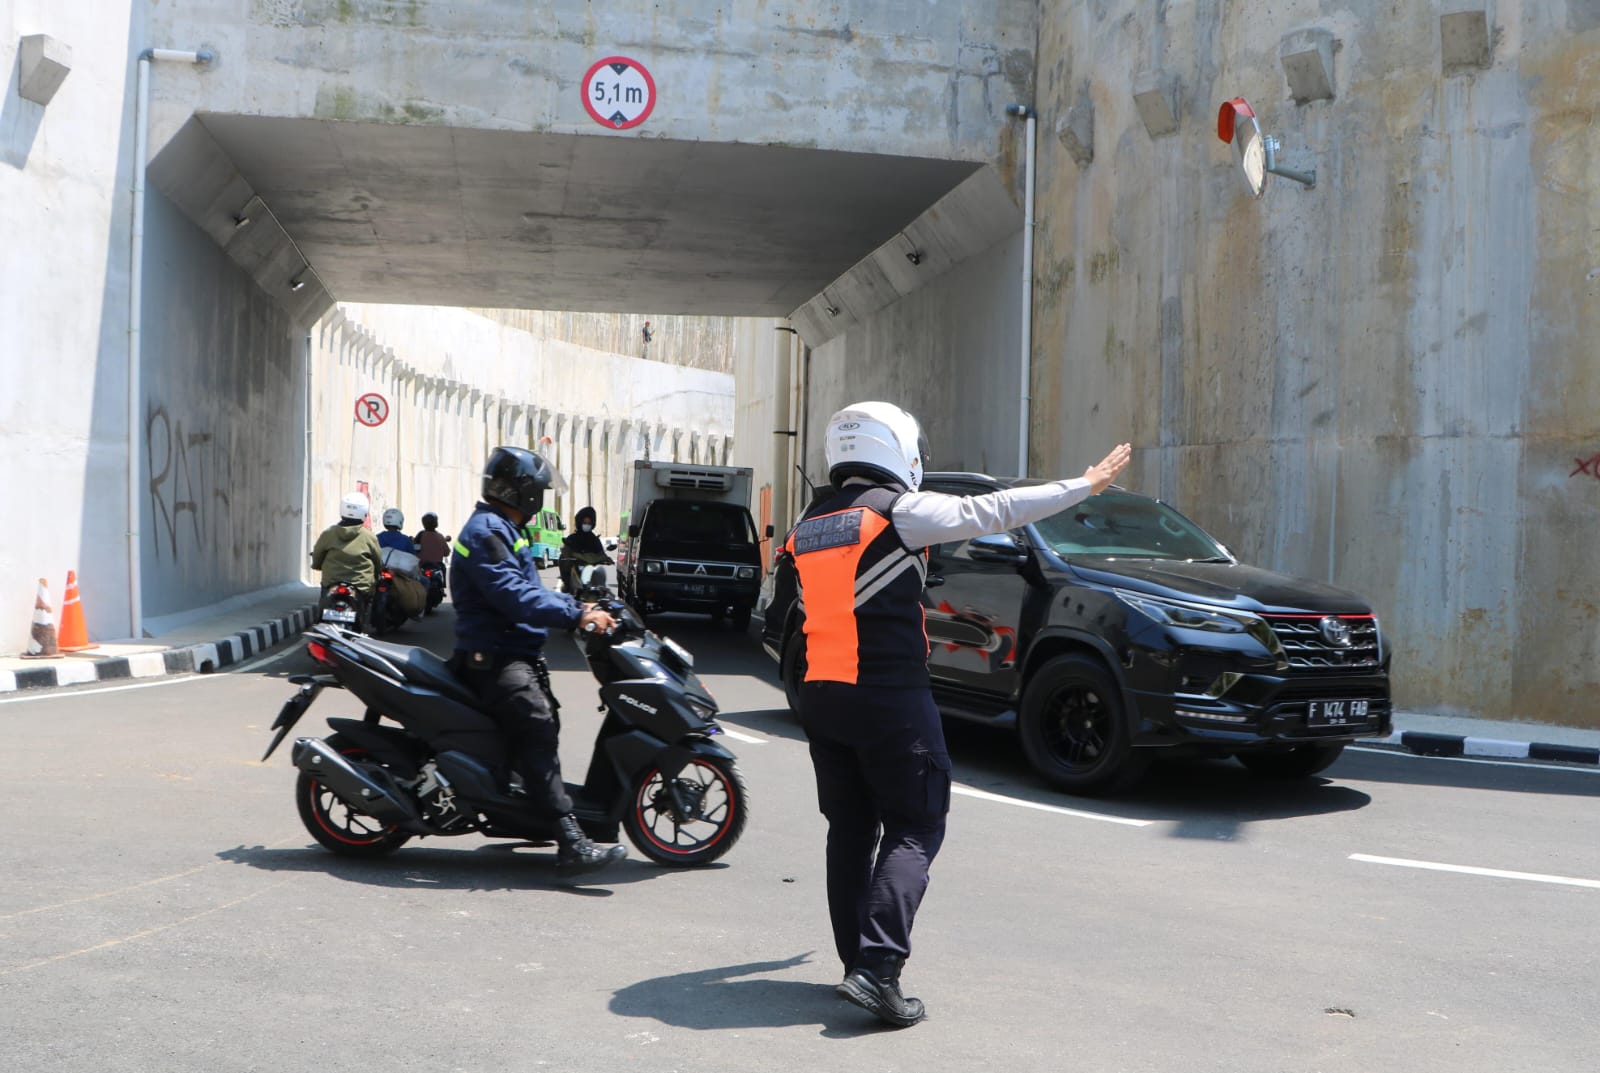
x=454, y=216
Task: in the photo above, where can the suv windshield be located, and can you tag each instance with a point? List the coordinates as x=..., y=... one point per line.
x=699, y=523
x=1128, y=526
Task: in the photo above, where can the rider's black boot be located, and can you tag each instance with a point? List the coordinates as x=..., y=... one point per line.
x=578, y=853
x=876, y=988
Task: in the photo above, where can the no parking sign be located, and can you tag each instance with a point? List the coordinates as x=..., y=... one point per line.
x=372, y=409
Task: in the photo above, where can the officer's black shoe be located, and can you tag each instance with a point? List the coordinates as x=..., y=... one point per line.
x=578, y=854
x=878, y=992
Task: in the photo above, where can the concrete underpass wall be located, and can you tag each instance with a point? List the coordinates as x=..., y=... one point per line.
x=767, y=357
x=903, y=77
x=64, y=224
x=459, y=383
x=1387, y=382
x=949, y=352
x=223, y=438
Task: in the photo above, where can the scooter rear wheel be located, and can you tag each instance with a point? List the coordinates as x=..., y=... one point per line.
x=337, y=826
x=691, y=819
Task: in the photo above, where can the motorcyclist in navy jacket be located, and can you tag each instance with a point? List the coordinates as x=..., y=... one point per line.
x=502, y=615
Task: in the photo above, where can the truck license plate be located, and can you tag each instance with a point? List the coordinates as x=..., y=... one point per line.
x=1336, y=713
x=696, y=590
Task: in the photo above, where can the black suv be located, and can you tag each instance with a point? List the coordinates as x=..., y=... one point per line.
x=1118, y=628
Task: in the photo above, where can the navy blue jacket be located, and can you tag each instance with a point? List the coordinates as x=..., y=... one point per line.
x=394, y=538
x=494, y=586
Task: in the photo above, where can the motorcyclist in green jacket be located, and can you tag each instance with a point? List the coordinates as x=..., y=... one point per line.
x=347, y=552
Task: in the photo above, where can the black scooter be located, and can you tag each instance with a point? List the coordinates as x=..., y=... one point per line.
x=656, y=771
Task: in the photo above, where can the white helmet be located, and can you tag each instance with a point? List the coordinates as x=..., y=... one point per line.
x=392, y=518
x=877, y=440
x=354, y=507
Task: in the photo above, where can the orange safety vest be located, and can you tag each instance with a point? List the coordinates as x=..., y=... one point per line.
x=861, y=589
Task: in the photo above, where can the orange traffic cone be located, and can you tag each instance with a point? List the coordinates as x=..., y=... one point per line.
x=74, y=634
x=42, y=641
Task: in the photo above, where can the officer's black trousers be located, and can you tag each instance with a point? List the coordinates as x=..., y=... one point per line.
x=882, y=769
x=511, y=691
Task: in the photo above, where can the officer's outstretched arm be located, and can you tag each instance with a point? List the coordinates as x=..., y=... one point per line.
x=926, y=518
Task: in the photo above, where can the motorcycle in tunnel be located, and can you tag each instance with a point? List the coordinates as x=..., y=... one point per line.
x=342, y=605
x=425, y=760
x=401, y=593
x=585, y=571
x=433, y=578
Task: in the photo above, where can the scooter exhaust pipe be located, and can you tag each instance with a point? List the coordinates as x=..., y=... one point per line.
x=361, y=790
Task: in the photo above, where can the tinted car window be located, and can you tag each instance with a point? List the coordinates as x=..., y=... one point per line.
x=1127, y=526
x=706, y=523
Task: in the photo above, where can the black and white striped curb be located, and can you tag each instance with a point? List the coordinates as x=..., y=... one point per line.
x=1425, y=743
x=203, y=658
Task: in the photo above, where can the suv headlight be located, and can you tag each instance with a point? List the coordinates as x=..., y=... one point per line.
x=652, y=567
x=746, y=573
x=1210, y=619
x=1188, y=616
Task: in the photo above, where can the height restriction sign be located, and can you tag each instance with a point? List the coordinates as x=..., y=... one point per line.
x=619, y=93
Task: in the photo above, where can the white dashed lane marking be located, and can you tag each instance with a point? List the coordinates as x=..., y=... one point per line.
x=1463, y=869
x=984, y=795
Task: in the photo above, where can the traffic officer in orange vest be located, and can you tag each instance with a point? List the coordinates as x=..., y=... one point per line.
x=883, y=773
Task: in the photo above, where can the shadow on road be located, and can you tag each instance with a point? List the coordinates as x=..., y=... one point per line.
x=718, y=999
x=1410, y=770
x=497, y=866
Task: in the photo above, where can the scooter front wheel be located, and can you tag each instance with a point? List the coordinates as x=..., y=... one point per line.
x=692, y=818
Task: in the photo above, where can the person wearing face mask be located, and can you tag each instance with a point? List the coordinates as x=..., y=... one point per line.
x=581, y=547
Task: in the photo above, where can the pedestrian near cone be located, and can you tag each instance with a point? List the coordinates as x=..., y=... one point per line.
x=42, y=641
x=74, y=634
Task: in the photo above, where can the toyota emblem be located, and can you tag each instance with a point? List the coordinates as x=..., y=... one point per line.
x=1336, y=632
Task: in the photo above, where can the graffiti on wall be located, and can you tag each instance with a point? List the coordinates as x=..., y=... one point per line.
x=190, y=477
x=1589, y=466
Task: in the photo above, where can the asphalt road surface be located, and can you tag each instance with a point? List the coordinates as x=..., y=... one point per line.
x=162, y=909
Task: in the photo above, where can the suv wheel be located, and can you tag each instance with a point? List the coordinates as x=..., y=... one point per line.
x=741, y=619
x=793, y=667
x=1296, y=763
x=1074, y=730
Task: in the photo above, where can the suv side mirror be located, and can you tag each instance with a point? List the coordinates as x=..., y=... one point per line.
x=769, y=532
x=633, y=531
x=996, y=548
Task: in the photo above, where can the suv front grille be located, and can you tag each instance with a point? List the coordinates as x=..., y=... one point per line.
x=1308, y=648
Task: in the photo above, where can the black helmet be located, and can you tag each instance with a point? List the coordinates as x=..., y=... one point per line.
x=517, y=477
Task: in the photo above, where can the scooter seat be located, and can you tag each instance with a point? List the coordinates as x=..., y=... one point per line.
x=422, y=668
